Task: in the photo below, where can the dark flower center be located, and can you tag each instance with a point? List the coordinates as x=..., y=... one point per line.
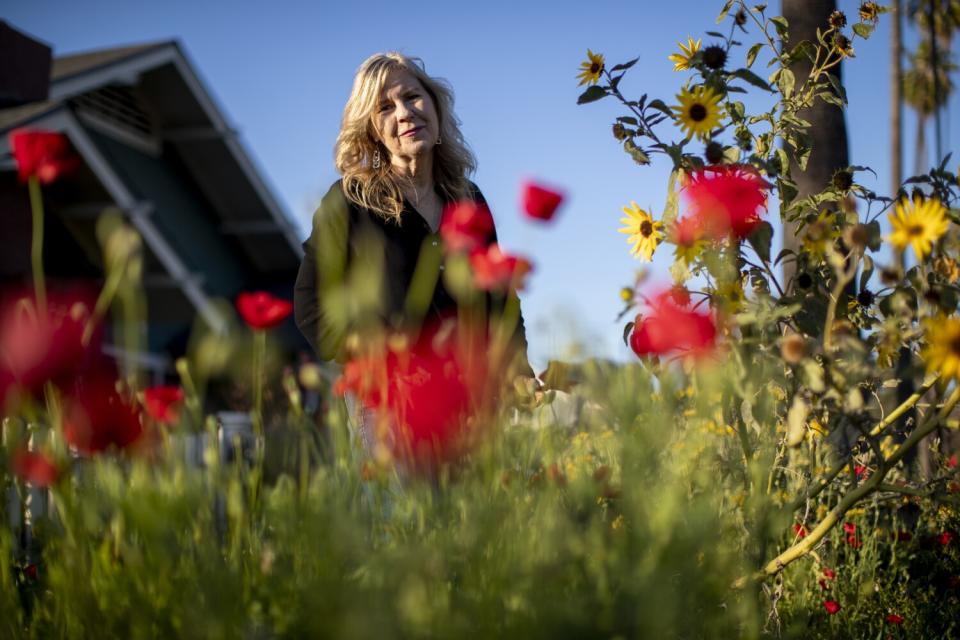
x=915, y=230
x=698, y=112
x=955, y=345
x=646, y=228
x=595, y=67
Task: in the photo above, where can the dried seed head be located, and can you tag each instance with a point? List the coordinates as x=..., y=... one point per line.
x=714, y=153
x=740, y=18
x=793, y=348
x=856, y=237
x=714, y=57
x=620, y=132
x=865, y=298
x=842, y=180
x=869, y=12
x=804, y=281
x=838, y=20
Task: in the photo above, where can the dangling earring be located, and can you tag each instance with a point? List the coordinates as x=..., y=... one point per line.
x=376, y=159
x=438, y=138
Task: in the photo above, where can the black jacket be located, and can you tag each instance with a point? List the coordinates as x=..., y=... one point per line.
x=357, y=264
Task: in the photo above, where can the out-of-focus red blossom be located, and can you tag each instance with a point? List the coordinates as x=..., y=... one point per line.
x=466, y=227
x=262, y=310
x=36, y=349
x=31, y=571
x=680, y=295
x=98, y=416
x=832, y=606
x=946, y=538
x=903, y=536
x=686, y=231
x=539, y=202
x=828, y=573
x=44, y=154
x=854, y=541
x=163, y=402
x=671, y=327
x=494, y=270
x=860, y=470
x=726, y=200
x=952, y=461
x=429, y=392
x=953, y=487
x=849, y=527
x=800, y=530
x=36, y=468
x=894, y=619
x=823, y=584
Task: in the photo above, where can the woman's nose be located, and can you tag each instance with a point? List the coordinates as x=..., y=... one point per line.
x=404, y=113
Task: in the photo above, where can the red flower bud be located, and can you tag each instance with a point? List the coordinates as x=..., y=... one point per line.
x=832, y=606
x=35, y=468
x=539, y=202
x=45, y=155
x=163, y=403
x=466, y=226
x=261, y=310
x=894, y=619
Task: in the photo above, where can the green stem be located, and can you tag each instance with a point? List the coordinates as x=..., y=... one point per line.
x=872, y=484
x=36, y=246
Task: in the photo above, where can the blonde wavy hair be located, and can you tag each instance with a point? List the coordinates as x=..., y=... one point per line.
x=378, y=189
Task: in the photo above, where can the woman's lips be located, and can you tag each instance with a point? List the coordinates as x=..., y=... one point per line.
x=410, y=132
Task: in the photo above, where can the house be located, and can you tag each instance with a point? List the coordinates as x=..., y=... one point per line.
x=154, y=145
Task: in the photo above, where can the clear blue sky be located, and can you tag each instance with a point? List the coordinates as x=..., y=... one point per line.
x=282, y=71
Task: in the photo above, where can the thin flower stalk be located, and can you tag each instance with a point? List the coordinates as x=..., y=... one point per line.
x=36, y=245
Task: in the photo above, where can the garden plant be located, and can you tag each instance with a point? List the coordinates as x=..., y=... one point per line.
x=752, y=472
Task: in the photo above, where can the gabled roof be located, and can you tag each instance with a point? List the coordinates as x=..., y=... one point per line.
x=154, y=90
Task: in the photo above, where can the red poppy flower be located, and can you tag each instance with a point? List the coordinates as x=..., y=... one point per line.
x=36, y=349
x=539, y=202
x=800, y=530
x=466, y=226
x=44, y=154
x=163, y=403
x=860, y=470
x=952, y=461
x=261, y=310
x=428, y=393
x=97, y=416
x=945, y=538
x=832, y=606
x=494, y=270
x=823, y=584
x=828, y=573
x=727, y=200
x=686, y=231
x=35, y=468
x=671, y=327
x=894, y=619
x=849, y=527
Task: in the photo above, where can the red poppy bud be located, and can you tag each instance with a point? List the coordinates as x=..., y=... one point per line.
x=832, y=606
x=945, y=538
x=466, y=226
x=849, y=527
x=828, y=573
x=31, y=571
x=163, y=403
x=823, y=584
x=894, y=619
x=800, y=530
x=539, y=202
x=35, y=468
x=261, y=310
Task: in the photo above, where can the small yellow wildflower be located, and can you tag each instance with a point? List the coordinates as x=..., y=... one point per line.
x=645, y=233
x=942, y=352
x=699, y=111
x=919, y=223
x=591, y=69
x=682, y=60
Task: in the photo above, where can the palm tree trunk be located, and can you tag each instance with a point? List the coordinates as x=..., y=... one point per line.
x=896, y=99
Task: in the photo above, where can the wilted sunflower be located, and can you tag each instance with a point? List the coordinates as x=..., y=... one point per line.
x=699, y=111
x=591, y=69
x=645, y=233
x=919, y=223
x=869, y=12
x=942, y=352
x=843, y=46
x=682, y=60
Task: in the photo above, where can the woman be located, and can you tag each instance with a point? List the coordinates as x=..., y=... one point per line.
x=373, y=260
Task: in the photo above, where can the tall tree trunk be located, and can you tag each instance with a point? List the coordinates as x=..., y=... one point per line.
x=896, y=98
x=828, y=129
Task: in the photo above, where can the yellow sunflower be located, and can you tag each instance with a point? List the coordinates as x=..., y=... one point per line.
x=682, y=60
x=591, y=69
x=699, y=111
x=942, y=353
x=918, y=223
x=645, y=233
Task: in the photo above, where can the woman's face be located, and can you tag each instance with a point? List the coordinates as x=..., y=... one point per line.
x=406, y=117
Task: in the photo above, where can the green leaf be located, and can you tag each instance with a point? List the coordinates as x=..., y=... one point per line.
x=715, y=34
x=627, y=328
x=781, y=25
x=875, y=239
x=783, y=254
x=866, y=273
x=659, y=105
x=752, y=78
x=752, y=53
x=592, y=94
x=760, y=240
x=628, y=120
x=724, y=11
x=786, y=82
x=626, y=65
x=863, y=29
x=804, y=48
x=830, y=98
